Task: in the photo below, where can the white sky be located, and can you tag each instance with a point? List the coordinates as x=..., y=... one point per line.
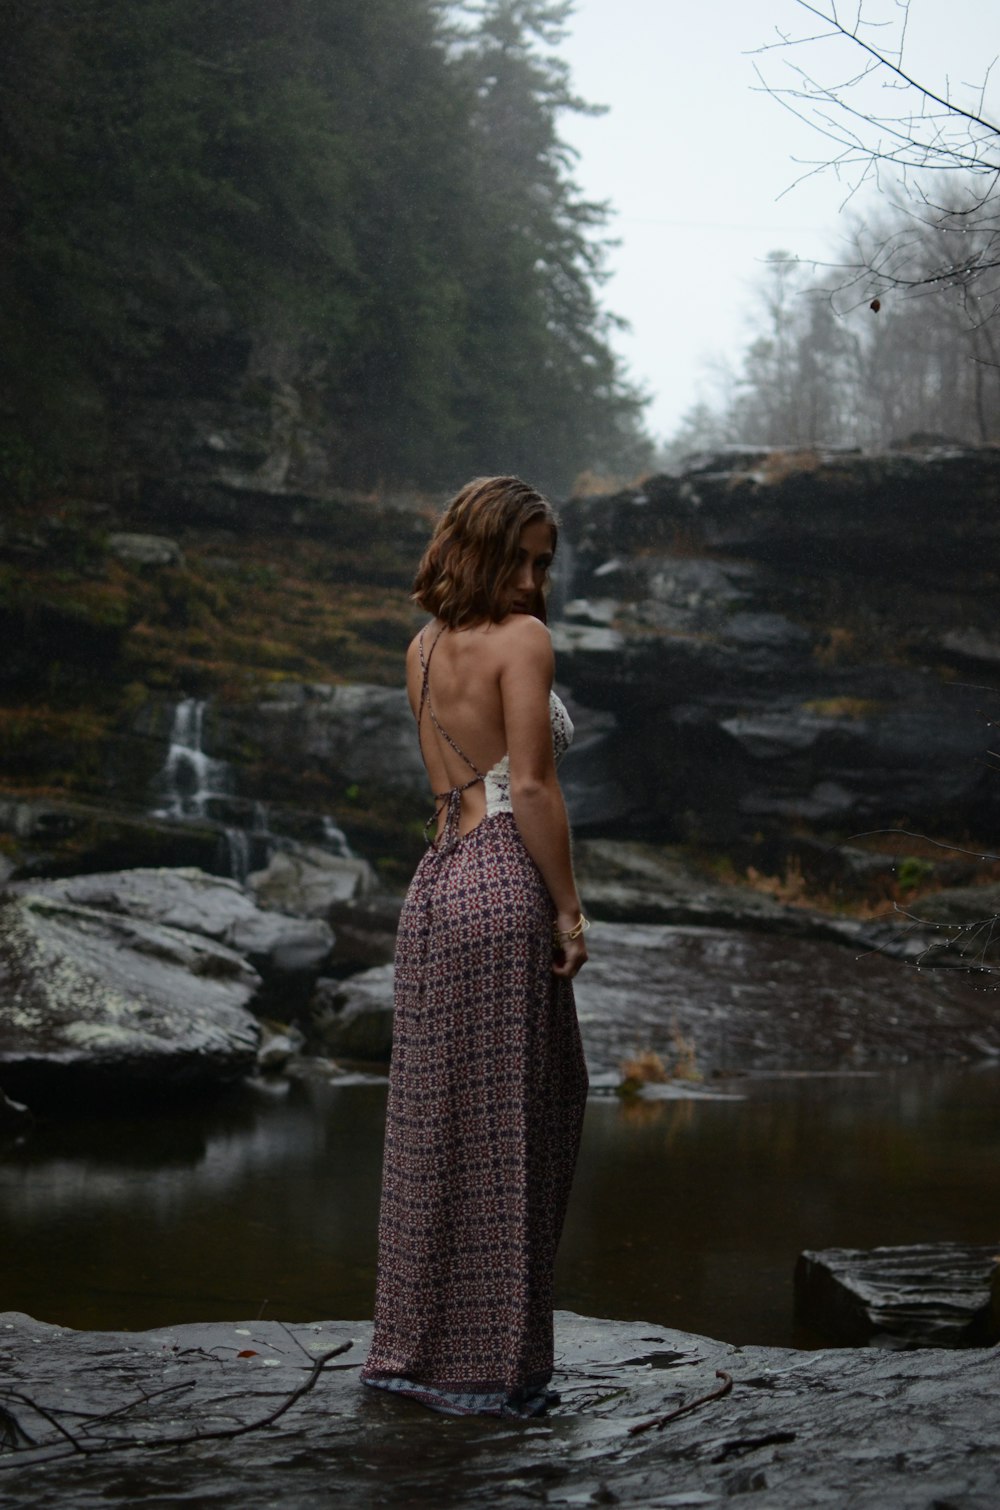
x=694, y=160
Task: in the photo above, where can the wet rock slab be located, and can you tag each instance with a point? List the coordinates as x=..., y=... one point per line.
x=624, y=881
x=752, y=1001
x=189, y=899
x=738, y=1000
x=927, y=1294
x=867, y=1428
x=93, y=996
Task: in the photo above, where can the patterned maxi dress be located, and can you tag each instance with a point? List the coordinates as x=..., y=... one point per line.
x=486, y=1096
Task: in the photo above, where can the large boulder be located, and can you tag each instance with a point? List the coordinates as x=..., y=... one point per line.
x=282, y=949
x=362, y=732
x=309, y=882
x=366, y=931
x=352, y=1018
x=99, y=1002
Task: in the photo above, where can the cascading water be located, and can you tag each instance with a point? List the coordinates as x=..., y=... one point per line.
x=238, y=853
x=190, y=778
x=193, y=785
x=562, y=579
x=335, y=839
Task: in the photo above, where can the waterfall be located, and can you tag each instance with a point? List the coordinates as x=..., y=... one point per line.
x=562, y=579
x=192, y=785
x=238, y=853
x=189, y=778
x=335, y=839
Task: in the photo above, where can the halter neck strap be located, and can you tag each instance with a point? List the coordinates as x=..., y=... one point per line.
x=452, y=798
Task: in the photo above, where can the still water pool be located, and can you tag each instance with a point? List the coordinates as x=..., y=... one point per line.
x=688, y=1213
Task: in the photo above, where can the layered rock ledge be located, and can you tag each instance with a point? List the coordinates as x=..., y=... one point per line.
x=868, y=1428
x=142, y=979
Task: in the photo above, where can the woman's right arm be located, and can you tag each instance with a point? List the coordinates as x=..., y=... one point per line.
x=539, y=810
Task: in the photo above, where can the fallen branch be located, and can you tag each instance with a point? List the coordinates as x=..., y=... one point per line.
x=660, y=1421
x=122, y=1444
x=47, y=1415
x=93, y=1417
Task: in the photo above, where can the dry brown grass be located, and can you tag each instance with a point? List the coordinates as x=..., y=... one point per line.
x=647, y=1067
x=780, y=465
x=843, y=707
x=839, y=644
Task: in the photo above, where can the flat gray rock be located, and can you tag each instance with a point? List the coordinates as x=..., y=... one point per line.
x=308, y=882
x=927, y=1294
x=89, y=994
x=735, y=1000
x=145, y=550
x=363, y=732
x=626, y=881
x=191, y=900
x=865, y=1428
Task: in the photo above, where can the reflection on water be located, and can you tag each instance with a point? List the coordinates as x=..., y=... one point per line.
x=686, y=1213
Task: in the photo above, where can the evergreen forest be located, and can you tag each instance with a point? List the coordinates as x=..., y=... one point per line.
x=366, y=199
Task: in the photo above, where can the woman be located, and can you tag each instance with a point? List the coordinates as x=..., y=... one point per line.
x=487, y=1086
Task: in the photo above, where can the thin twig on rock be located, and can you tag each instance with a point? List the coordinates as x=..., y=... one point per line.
x=221, y=1433
x=660, y=1421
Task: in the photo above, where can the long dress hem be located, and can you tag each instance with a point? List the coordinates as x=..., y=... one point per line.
x=533, y=1399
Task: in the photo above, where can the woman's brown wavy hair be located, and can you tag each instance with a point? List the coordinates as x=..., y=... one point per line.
x=465, y=573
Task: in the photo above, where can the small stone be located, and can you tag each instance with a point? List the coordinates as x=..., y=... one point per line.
x=353, y=1017
x=145, y=550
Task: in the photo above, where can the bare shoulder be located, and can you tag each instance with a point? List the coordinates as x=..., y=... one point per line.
x=413, y=648
x=414, y=673
x=425, y=637
x=524, y=640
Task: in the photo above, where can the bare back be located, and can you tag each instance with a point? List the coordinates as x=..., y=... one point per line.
x=474, y=686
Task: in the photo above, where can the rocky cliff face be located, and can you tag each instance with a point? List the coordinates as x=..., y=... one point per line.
x=767, y=643
x=793, y=639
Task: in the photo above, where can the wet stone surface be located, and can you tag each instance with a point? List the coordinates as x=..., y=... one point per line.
x=738, y=999
x=867, y=1428
x=759, y=1001
x=94, y=996
x=927, y=1294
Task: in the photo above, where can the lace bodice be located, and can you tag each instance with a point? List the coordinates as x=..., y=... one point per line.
x=497, y=780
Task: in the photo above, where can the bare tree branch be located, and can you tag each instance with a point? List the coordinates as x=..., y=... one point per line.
x=936, y=133
x=44, y=1452
x=930, y=134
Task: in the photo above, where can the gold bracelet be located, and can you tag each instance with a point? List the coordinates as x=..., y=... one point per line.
x=568, y=934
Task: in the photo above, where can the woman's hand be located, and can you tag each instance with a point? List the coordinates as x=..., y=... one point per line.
x=570, y=954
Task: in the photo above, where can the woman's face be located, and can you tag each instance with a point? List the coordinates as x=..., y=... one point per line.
x=534, y=557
